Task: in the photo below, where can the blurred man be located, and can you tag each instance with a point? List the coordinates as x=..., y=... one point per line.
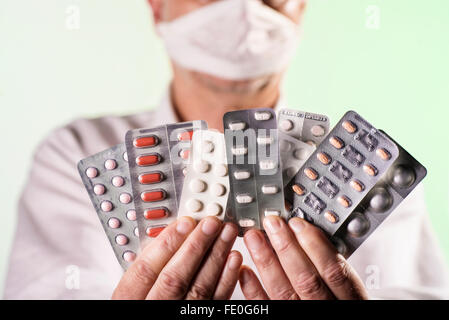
x=226, y=55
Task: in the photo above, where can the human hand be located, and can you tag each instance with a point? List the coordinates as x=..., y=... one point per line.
x=185, y=262
x=304, y=264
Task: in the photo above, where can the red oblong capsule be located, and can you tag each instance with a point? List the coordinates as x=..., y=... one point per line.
x=155, y=214
x=145, y=142
x=185, y=135
x=154, y=232
x=152, y=196
x=152, y=177
x=148, y=160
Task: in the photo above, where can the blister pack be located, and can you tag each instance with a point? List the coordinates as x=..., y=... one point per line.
x=293, y=154
x=307, y=127
x=206, y=185
x=398, y=182
x=252, y=149
x=106, y=178
x=340, y=173
x=157, y=162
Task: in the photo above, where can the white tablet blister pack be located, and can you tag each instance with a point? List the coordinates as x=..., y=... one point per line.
x=206, y=184
x=252, y=149
x=106, y=178
x=308, y=127
x=293, y=153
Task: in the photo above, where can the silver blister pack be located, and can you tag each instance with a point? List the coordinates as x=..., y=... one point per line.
x=252, y=149
x=206, y=185
x=293, y=153
x=305, y=126
x=106, y=178
x=343, y=169
x=398, y=182
x=157, y=161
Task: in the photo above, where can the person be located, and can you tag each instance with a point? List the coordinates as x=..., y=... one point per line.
x=226, y=55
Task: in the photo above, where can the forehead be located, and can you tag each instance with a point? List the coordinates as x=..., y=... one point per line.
x=172, y=9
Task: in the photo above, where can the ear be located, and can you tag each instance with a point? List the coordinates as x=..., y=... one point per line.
x=156, y=6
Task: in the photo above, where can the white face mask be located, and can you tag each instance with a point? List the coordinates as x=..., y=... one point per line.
x=231, y=39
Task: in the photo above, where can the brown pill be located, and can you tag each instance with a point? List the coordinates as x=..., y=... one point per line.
x=323, y=158
x=298, y=189
x=383, y=154
x=370, y=170
x=349, y=126
x=331, y=216
x=311, y=174
x=344, y=201
x=357, y=185
x=336, y=142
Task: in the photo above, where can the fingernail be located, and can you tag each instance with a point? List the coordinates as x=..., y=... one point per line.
x=228, y=233
x=296, y=224
x=245, y=276
x=234, y=262
x=210, y=226
x=253, y=241
x=272, y=224
x=184, y=225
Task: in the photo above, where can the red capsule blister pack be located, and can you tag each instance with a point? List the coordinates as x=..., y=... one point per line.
x=157, y=162
x=106, y=178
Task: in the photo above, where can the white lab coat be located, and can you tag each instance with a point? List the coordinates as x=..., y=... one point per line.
x=61, y=252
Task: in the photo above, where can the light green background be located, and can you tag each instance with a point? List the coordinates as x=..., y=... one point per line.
x=395, y=76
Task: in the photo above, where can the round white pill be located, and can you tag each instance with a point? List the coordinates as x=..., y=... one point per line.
x=201, y=166
x=129, y=256
x=194, y=205
x=125, y=198
x=284, y=146
x=208, y=146
x=118, y=181
x=99, y=189
x=218, y=189
x=213, y=209
x=184, y=171
x=114, y=223
x=136, y=231
x=220, y=170
x=125, y=156
x=121, y=239
x=301, y=154
x=317, y=131
x=91, y=172
x=131, y=215
x=110, y=164
x=286, y=125
x=197, y=186
x=106, y=206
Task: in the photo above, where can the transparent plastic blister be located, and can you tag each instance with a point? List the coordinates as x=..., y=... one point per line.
x=308, y=127
x=252, y=149
x=157, y=160
x=206, y=185
x=106, y=178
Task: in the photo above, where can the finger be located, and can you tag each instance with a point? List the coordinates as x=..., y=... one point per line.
x=229, y=277
x=203, y=286
x=273, y=276
x=141, y=275
x=336, y=272
x=301, y=272
x=175, y=278
x=250, y=285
